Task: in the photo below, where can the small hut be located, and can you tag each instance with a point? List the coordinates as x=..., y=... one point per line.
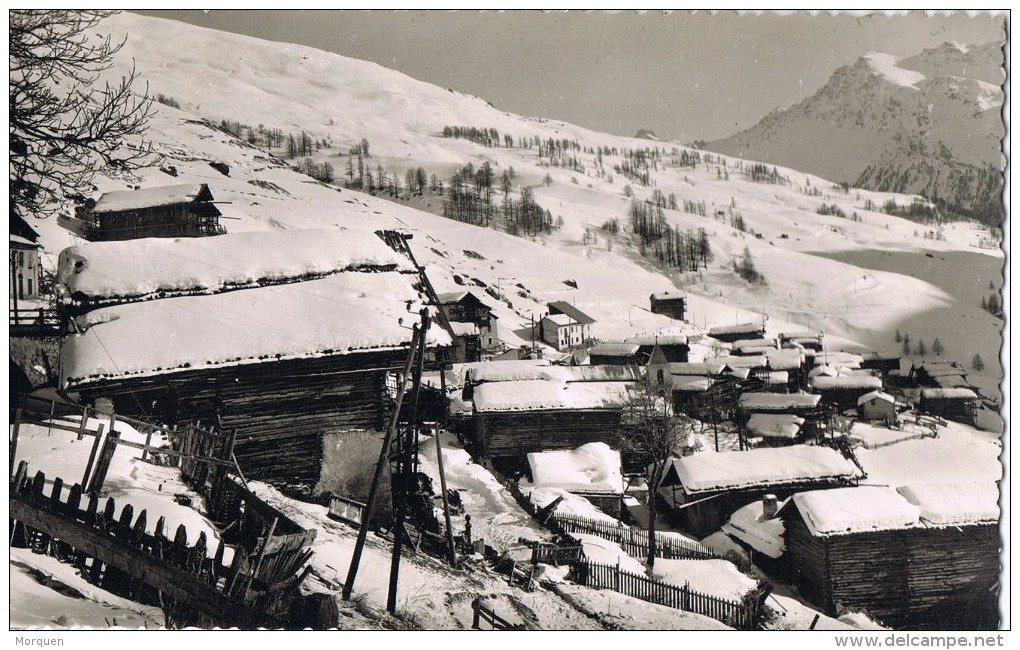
x=703, y=490
x=921, y=557
x=169, y=211
x=669, y=303
x=877, y=405
x=959, y=404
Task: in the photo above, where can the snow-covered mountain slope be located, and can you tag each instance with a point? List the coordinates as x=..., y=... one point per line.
x=930, y=123
x=215, y=76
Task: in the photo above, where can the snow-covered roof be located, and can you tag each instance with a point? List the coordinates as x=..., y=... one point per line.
x=839, y=359
x=562, y=320
x=775, y=376
x=691, y=383
x=876, y=394
x=843, y=511
x=739, y=373
x=614, y=349
x=784, y=359
x=658, y=339
x=337, y=314
x=756, y=344
x=718, y=578
x=669, y=295
x=763, y=535
x=775, y=425
x=743, y=328
x=955, y=504
x=800, y=334
x=761, y=467
x=777, y=401
x=846, y=382
x=707, y=369
x=540, y=395
x=948, y=393
x=151, y=197
x=591, y=468
x=490, y=371
x=22, y=242
x=742, y=362
x=154, y=267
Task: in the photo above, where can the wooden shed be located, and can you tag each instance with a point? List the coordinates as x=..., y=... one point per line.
x=669, y=303
x=743, y=331
x=675, y=347
x=169, y=211
x=515, y=418
x=704, y=489
x=940, y=374
x=916, y=557
x=613, y=354
x=877, y=405
x=843, y=391
x=959, y=404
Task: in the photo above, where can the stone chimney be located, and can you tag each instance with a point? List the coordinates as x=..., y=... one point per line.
x=769, y=506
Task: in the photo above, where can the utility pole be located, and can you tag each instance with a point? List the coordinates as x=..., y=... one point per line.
x=418, y=338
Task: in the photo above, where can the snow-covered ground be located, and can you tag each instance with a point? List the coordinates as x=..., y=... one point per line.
x=218, y=76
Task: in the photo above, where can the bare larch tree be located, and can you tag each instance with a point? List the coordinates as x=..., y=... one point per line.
x=64, y=125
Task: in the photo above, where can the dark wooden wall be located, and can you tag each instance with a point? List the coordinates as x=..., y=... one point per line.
x=280, y=409
x=922, y=578
x=517, y=433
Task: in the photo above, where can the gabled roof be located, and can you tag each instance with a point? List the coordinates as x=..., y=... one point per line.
x=541, y=395
x=669, y=295
x=658, y=357
x=151, y=197
x=846, y=382
x=777, y=401
x=948, y=393
x=21, y=228
x=614, y=349
x=658, y=339
x=876, y=394
x=454, y=297
x=707, y=369
x=734, y=470
x=743, y=328
x=775, y=425
x=575, y=314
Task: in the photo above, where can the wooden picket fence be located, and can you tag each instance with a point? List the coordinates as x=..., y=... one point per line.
x=633, y=540
x=118, y=553
x=742, y=615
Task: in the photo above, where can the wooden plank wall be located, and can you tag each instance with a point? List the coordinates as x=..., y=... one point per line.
x=278, y=409
x=512, y=433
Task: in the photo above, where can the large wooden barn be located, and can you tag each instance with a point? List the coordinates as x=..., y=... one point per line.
x=703, y=490
x=844, y=390
x=920, y=557
x=959, y=404
x=282, y=364
x=169, y=211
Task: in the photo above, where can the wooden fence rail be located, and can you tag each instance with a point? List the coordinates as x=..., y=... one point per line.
x=39, y=321
x=743, y=614
x=119, y=554
x=633, y=540
x=483, y=613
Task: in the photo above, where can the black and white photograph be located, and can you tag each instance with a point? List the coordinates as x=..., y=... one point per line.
x=479, y=320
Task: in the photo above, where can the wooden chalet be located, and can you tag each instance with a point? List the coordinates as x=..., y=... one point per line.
x=702, y=390
x=939, y=374
x=958, y=404
x=744, y=331
x=613, y=354
x=515, y=418
x=675, y=347
x=805, y=405
x=877, y=405
x=669, y=303
x=280, y=366
x=916, y=557
x=703, y=490
x=882, y=363
x=806, y=339
x=843, y=391
x=465, y=308
x=169, y=211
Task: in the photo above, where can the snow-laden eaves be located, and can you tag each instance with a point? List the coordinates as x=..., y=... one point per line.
x=775, y=425
x=846, y=382
x=863, y=509
x=777, y=401
x=338, y=314
x=761, y=467
x=137, y=269
x=955, y=504
x=540, y=395
x=591, y=468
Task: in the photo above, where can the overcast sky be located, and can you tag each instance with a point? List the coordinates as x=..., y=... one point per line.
x=685, y=76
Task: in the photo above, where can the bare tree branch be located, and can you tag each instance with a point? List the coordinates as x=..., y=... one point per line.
x=63, y=127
